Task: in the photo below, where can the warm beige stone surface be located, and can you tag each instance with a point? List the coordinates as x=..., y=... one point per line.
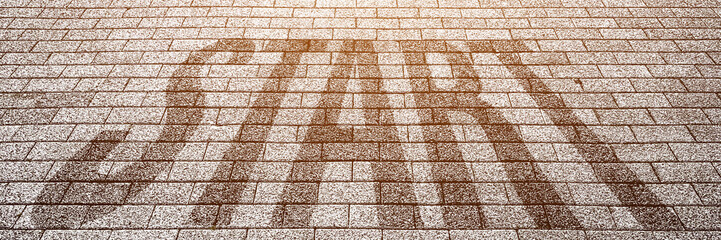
x=360, y=119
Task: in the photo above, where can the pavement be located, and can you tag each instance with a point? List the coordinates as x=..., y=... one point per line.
x=360, y=119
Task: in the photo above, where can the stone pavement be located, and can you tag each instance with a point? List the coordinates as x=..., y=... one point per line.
x=360, y=119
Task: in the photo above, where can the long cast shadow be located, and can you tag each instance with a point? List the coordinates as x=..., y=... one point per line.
x=354, y=57
x=184, y=111
x=645, y=206
x=230, y=180
x=301, y=192
x=539, y=196
x=398, y=199
x=458, y=195
x=83, y=166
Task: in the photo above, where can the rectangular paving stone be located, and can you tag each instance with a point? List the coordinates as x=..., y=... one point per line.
x=687, y=172
x=24, y=171
x=338, y=234
x=483, y=234
x=644, y=152
x=594, y=217
x=160, y=193
x=28, y=116
x=330, y=216
x=499, y=216
x=127, y=216
x=545, y=234
x=155, y=234
x=250, y=216
x=339, y=192
x=212, y=234
x=280, y=234
x=181, y=216
x=81, y=115
x=618, y=235
x=662, y=133
x=43, y=133
x=70, y=234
